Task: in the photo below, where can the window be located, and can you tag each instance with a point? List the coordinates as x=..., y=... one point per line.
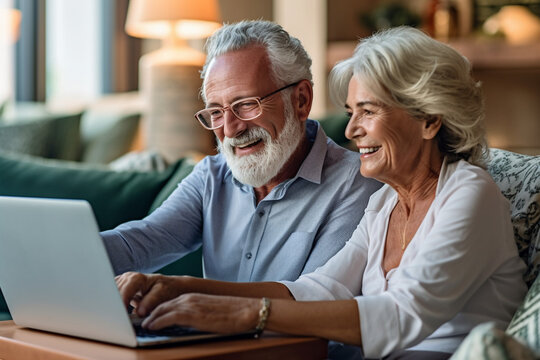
x=73, y=52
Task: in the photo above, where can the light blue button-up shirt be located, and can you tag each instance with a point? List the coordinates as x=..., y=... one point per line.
x=299, y=225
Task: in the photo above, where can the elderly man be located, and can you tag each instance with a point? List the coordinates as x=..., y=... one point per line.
x=280, y=198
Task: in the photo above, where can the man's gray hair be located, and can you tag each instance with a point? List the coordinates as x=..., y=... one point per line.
x=405, y=68
x=289, y=61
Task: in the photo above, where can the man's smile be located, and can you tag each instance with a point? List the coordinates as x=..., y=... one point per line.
x=249, y=143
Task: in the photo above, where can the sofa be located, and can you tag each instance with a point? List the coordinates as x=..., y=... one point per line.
x=119, y=196
x=99, y=133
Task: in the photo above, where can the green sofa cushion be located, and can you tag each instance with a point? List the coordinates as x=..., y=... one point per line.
x=190, y=264
x=334, y=126
x=182, y=169
x=115, y=196
x=113, y=143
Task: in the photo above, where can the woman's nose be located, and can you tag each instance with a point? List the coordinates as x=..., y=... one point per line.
x=354, y=129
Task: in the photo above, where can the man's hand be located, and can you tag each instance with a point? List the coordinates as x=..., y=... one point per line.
x=146, y=291
x=224, y=314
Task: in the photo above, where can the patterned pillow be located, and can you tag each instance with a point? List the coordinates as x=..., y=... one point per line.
x=518, y=177
x=525, y=324
x=487, y=342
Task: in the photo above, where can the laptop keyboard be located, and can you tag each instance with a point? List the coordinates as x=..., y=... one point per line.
x=172, y=331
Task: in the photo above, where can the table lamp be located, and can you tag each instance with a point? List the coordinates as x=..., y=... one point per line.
x=10, y=20
x=169, y=78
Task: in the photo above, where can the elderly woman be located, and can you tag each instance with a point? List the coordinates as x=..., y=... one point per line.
x=434, y=254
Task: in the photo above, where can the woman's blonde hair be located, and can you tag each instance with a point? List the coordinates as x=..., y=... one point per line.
x=403, y=67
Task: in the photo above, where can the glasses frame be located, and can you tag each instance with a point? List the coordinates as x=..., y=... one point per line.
x=222, y=109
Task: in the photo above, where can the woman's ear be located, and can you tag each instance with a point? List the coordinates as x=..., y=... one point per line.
x=432, y=125
x=303, y=99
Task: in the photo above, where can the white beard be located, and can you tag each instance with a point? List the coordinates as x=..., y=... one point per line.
x=259, y=168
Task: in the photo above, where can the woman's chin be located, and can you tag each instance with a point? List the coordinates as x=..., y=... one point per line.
x=370, y=171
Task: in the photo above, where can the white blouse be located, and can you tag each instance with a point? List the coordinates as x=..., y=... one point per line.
x=460, y=269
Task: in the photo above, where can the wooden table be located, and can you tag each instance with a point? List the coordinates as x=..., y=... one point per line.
x=22, y=343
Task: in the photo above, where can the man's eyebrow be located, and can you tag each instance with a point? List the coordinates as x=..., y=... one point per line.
x=209, y=105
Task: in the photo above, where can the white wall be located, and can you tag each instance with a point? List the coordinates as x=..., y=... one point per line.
x=306, y=20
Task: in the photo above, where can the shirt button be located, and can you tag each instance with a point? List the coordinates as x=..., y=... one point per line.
x=248, y=255
x=261, y=213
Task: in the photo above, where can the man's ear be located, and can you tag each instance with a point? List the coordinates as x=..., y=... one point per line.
x=303, y=99
x=432, y=125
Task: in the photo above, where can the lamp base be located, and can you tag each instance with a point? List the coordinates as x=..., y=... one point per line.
x=170, y=88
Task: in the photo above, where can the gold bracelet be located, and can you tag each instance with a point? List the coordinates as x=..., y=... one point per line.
x=263, y=314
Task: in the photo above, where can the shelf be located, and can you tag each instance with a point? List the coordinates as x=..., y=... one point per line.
x=481, y=52
x=497, y=54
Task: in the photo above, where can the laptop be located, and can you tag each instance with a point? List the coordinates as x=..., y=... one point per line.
x=56, y=275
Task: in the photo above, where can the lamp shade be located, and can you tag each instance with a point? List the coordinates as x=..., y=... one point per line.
x=159, y=19
x=10, y=19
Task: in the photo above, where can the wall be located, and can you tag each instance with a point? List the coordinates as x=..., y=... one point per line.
x=236, y=10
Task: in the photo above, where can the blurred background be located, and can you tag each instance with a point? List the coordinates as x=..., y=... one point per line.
x=77, y=83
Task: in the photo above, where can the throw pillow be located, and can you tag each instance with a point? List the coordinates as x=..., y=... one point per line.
x=518, y=177
x=525, y=324
x=489, y=343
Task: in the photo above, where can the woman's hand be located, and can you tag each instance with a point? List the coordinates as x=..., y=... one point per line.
x=146, y=291
x=334, y=319
x=224, y=314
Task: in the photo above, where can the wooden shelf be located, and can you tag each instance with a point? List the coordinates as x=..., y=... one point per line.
x=498, y=54
x=482, y=52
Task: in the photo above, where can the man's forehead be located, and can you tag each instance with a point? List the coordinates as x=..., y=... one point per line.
x=237, y=69
x=252, y=59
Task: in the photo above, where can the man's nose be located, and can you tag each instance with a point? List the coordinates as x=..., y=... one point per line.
x=232, y=126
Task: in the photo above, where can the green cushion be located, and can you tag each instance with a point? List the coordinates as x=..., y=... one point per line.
x=183, y=169
x=190, y=264
x=334, y=126
x=112, y=143
x=50, y=136
x=116, y=197
x=65, y=128
x=4, y=315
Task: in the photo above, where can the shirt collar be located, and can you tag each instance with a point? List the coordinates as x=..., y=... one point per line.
x=312, y=166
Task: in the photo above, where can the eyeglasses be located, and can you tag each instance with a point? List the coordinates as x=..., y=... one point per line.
x=244, y=109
